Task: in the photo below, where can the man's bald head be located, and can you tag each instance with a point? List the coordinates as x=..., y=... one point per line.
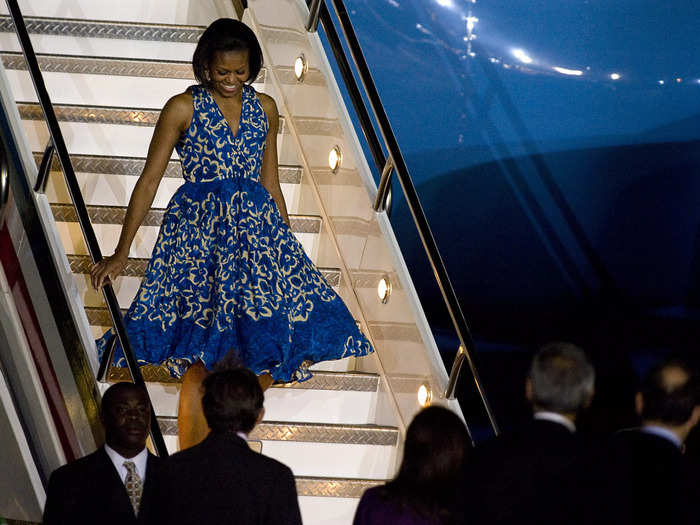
x=669, y=393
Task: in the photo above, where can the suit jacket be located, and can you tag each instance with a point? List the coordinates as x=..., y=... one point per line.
x=517, y=474
x=89, y=490
x=644, y=478
x=222, y=481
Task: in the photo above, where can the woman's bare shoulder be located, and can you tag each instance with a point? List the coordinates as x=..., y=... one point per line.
x=179, y=109
x=269, y=105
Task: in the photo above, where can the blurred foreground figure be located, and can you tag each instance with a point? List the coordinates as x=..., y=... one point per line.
x=643, y=476
x=221, y=480
x=516, y=476
x=425, y=489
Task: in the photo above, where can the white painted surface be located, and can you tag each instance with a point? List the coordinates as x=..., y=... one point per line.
x=335, y=460
x=291, y=405
x=158, y=11
x=317, y=510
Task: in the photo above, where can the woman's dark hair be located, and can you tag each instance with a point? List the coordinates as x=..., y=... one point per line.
x=226, y=34
x=437, y=445
x=232, y=400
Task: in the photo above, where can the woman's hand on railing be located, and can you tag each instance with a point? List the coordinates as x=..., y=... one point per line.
x=108, y=268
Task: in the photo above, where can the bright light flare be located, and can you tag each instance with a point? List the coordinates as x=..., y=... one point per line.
x=567, y=71
x=615, y=76
x=522, y=56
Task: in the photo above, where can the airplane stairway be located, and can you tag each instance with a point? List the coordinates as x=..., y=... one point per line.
x=108, y=68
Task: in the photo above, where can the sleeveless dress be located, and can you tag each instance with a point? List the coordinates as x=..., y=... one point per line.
x=227, y=274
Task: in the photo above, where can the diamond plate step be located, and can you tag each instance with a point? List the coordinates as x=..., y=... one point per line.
x=101, y=114
x=335, y=381
x=136, y=267
x=123, y=67
x=106, y=29
x=154, y=217
x=133, y=166
x=334, y=487
x=308, y=432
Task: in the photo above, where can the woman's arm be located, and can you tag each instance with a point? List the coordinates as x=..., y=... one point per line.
x=269, y=176
x=173, y=120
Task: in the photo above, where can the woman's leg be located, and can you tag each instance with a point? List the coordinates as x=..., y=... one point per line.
x=265, y=381
x=192, y=426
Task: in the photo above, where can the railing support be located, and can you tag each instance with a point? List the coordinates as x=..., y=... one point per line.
x=314, y=12
x=384, y=186
x=44, y=168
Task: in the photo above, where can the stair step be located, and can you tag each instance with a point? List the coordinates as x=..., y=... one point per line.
x=308, y=432
x=133, y=166
x=98, y=114
x=113, y=66
x=106, y=29
x=154, y=217
x=298, y=404
x=334, y=487
x=346, y=381
x=136, y=267
x=193, y=12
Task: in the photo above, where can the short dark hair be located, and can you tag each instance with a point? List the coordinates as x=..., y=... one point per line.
x=668, y=401
x=562, y=378
x=112, y=391
x=226, y=34
x=232, y=400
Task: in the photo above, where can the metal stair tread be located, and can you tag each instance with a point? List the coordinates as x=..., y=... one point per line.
x=309, y=432
x=106, y=29
x=334, y=487
x=321, y=380
x=81, y=264
x=154, y=217
x=132, y=166
x=100, y=114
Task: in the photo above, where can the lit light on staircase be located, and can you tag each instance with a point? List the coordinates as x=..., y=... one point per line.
x=425, y=395
x=300, y=67
x=335, y=159
x=384, y=289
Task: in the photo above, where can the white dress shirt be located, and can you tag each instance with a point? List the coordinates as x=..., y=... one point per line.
x=554, y=417
x=139, y=460
x=663, y=433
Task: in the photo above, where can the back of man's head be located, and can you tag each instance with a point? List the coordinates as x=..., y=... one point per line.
x=669, y=393
x=561, y=378
x=232, y=400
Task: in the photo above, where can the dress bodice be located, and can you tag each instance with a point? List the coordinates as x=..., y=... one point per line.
x=209, y=150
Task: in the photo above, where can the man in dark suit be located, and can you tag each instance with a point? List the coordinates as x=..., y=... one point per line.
x=221, y=480
x=643, y=477
x=111, y=485
x=514, y=476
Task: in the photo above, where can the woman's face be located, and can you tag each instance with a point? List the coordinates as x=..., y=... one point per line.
x=228, y=70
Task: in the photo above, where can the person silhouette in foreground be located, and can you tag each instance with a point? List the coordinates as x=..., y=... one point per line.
x=424, y=492
x=221, y=480
x=113, y=485
x=515, y=477
x=644, y=476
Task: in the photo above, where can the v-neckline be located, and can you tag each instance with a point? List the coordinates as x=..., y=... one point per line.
x=223, y=117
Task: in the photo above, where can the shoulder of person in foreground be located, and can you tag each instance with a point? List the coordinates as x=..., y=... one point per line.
x=66, y=486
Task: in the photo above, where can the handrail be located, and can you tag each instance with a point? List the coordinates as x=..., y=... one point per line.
x=409, y=190
x=81, y=210
x=4, y=185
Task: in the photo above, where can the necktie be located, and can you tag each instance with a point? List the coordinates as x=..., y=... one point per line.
x=133, y=484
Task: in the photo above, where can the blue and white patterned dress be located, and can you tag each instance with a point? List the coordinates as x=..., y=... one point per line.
x=226, y=272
